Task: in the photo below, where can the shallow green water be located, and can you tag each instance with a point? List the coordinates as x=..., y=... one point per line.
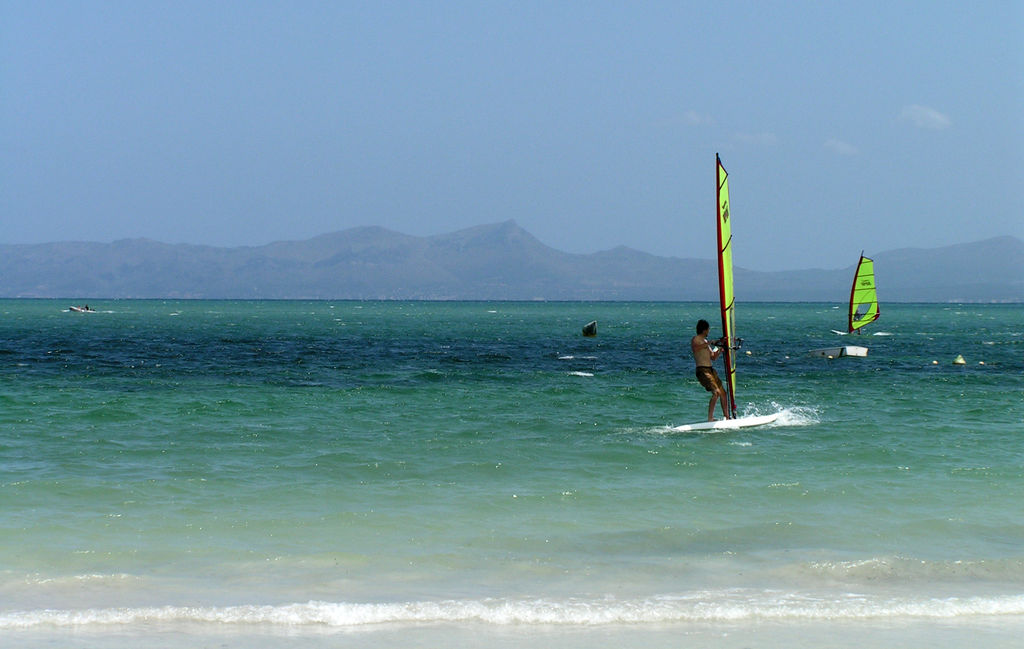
x=442, y=462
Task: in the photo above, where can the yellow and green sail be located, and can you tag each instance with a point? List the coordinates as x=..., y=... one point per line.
x=727, y=300
x=863, y=297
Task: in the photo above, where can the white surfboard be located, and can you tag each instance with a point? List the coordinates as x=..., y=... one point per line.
x=727, y=424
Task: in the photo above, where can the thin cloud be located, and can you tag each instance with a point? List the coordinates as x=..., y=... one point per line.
x=693, y=118
x=925, y=117
x=763, y=139
x=687, y=118
x=841, y=148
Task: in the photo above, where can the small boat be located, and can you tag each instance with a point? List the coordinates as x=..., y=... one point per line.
x=863, y=310
x=81, y=309
x=837, y=352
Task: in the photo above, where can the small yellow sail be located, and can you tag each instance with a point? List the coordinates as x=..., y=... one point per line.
x=863, y=296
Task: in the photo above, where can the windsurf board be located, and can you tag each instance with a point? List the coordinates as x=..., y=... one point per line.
x=727, y=424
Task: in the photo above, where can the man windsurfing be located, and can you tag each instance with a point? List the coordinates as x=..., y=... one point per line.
x=704, y=354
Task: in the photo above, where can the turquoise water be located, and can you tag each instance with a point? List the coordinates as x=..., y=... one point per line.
x=245, y=471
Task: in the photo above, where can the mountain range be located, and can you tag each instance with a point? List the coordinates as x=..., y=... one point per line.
x=490, y=262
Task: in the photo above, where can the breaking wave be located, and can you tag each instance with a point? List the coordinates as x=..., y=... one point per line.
x=722, y=606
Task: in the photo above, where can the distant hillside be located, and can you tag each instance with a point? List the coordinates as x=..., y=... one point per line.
x=489, y=262
x=983, y=271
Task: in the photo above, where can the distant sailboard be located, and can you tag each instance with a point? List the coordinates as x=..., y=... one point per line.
x=727, y=305
x=863, y=310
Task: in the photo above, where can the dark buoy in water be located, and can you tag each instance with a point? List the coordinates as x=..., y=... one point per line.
x=590, y=329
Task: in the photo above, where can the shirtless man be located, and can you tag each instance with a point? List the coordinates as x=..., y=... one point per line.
x=704, y=355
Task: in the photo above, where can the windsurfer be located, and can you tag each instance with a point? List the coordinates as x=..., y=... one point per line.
x=705, y=354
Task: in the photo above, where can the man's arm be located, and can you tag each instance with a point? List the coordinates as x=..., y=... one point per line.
x=715, y=352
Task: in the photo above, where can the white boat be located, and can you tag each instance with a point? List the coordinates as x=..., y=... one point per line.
x=837, y=352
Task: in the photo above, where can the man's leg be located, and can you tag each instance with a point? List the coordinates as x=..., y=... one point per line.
x=725, y=409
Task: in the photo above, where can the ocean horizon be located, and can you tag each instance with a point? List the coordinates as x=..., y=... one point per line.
x=181, y=473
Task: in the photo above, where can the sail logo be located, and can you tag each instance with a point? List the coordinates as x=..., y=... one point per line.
x=725, y=210
x=865, y=282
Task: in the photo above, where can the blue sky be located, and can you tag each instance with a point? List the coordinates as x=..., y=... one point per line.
x=844, y=126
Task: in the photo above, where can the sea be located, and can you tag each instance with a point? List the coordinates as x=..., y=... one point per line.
x=479, y=474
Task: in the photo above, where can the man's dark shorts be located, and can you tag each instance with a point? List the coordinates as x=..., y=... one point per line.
x=708, y=377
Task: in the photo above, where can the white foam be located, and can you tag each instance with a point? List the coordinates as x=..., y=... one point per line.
x=788, y=416
x=718, y=606
x=904, y=569
x=796, y=416
x=581, y=374
x=79, y=579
